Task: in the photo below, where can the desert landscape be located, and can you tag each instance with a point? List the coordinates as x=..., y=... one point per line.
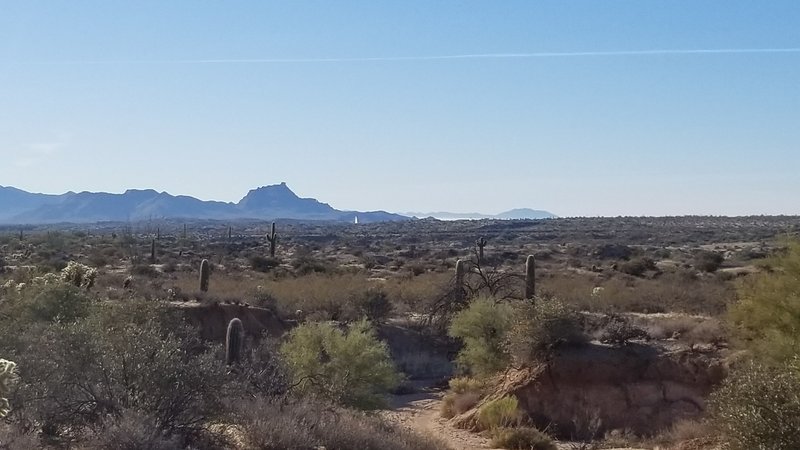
x=399, y=225
x=552, y=333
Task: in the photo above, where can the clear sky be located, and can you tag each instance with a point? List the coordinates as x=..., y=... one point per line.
x=340, y=100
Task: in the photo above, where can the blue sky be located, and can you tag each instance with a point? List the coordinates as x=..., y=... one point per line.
x=100, y=95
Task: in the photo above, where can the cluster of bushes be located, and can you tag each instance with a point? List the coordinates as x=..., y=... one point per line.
x=758, y=405
x=492, y=340
x=133, y=374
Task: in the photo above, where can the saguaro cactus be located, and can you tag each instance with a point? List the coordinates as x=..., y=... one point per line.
x=230, y=232
x=21, y=235
x=233, y=341
x=184, y=231
x=459, y=281
x=273, y=241
x=480, y=243
x=530, y=277
x=153, y=251
x=205, y=271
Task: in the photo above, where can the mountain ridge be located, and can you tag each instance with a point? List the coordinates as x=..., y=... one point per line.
x=266, y=202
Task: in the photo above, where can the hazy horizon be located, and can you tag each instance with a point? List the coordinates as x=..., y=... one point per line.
x=636, y=108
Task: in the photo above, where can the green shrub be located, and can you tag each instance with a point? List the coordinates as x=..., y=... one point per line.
x=499, y=413
x=75, y=375
x=482, y=327
x=522, y=438
x=707, y=261
x=767, y=314
x=56, y=302
x=758, y=407
x=352, y=368
x=374, y=305
x=540, y=328
x=637, y=266
x=263, y=263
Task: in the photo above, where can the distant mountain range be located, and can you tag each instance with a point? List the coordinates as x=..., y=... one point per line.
x=265, y=203
x=519, y=213
x=268, y=202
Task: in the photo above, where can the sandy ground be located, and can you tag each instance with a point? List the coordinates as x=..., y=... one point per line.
x=420, y=412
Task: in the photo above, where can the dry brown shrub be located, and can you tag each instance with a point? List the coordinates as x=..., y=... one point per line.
x=267, y=426
x=671, y=292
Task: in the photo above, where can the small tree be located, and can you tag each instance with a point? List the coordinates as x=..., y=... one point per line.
x=353, y=368
x=767, y=316
x=482, y=327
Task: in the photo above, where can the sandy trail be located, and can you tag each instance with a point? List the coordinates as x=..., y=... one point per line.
x=420, y=412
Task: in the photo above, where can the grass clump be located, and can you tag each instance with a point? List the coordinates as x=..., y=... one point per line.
x=522, y=438
x=463, y=385
x=499, y=413
x=464, y=394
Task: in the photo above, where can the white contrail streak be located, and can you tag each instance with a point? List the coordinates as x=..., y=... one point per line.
x=617, y=53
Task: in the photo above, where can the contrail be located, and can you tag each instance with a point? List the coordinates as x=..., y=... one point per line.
x=612, y=53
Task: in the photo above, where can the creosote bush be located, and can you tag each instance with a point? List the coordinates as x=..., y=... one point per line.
x=269, y=425
x=541, y=328
x=522, y=438
x=707, y=261
x=758, y=407
x=482, y=327
x=263, y=263
x=57, y=301
x=766, y=317
x=351, y=367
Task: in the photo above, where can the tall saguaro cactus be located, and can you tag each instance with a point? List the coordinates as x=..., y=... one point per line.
x=153, y=251
x=273, y=241
x=205, y=271
x=234, y=341
x=480, y=243
x=230, y=232
x=459, y=281
x=530, y=277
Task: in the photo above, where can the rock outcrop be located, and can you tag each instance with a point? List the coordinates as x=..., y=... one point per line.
x=597, y=388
